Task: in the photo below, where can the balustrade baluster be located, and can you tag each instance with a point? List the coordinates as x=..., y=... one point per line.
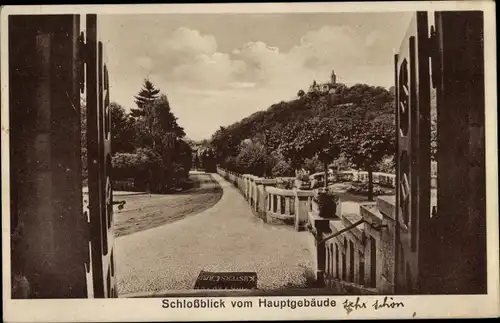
x=287, y=205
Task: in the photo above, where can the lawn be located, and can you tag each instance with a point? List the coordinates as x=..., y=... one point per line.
x=146, y=211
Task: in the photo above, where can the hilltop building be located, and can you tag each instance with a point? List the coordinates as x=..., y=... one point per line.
x=328, y=87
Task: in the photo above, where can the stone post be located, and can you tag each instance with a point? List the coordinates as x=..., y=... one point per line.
x=320, y=226
x=46, y=202
x=302, y=200
x=263, y=196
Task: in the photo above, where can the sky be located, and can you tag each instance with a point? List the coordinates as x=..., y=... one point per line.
x=219, y=68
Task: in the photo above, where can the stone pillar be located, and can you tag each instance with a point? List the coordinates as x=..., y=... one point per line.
x=51, y=249
x=302, y=200
x=320, y=227
x=257, y=196
x=264, y=202
x=247, y=188
x=252, y=191
x=456, y=263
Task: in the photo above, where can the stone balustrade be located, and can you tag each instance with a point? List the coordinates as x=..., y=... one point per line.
x=270, y=203
x=280, y=204
x=360, y=259
x=384, y=179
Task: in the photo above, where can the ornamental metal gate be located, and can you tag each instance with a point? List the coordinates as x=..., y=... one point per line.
x=96, y=86
x=443, y=251
x=59, y=248
x=413, y=149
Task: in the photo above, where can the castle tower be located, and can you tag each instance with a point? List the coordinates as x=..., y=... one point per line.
x=333, y=77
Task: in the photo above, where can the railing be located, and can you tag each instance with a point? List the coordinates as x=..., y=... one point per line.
x=384, y=179
x=360, y=259
x=272, y=204
x=280, y=204
x=355, y=252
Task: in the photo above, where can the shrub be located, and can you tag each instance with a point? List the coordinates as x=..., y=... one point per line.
x=386, y=165
x=313, y=165
x=342, y=163
x=303, y=177
x=231, y=164
x=362, y=189
x=282, y=168
x=178, y=173
x=130, y=165
x=327, y=202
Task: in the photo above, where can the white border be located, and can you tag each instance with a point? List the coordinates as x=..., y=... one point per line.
x=151, y=309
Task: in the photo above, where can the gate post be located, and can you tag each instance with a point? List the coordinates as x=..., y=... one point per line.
x=52, y=249
x=459, y=264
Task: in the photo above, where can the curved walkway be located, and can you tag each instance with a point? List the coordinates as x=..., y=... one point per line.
x=226, y=237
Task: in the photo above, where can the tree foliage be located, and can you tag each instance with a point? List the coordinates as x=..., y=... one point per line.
x=123, y=129
x=313, y=129
x=147, y=143
x=367, y=144
x=146, y=95
x=282, y=121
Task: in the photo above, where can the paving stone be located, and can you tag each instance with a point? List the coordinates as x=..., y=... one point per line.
x=226, y=237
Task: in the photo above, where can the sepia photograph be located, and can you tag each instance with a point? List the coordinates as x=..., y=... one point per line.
x=282, y=158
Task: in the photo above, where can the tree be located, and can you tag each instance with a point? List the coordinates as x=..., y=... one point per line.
x=253, y=158
x=207, y=159
x=313, y=165
x=311, y=139
x=282, y=168
x=301, y=93
x=282, y=121
x=123, y=129
x=158, y=131
x=318, y=139
x=156, y=122
x=196, y=160
x=224, y=143
x=366, y=144
x=183, y=161
x=146, y=95
x=164, y=119
x=288, y=147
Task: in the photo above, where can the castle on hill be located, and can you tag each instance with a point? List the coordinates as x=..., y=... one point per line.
x=328, y=87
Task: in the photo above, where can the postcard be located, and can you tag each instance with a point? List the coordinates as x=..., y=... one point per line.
x=265, y=161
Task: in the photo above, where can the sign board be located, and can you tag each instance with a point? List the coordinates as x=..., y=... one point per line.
x=226, y=280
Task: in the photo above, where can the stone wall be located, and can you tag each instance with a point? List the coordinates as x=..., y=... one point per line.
x=359, y=252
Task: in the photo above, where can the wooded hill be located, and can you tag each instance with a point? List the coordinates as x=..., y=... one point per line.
x=360, y=102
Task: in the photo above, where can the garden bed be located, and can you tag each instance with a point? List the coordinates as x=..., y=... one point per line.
x=362, y=189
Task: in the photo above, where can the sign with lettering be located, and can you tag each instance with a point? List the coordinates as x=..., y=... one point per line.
x=226, y=280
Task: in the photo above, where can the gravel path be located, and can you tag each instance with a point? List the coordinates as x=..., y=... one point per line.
x=226, y=237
